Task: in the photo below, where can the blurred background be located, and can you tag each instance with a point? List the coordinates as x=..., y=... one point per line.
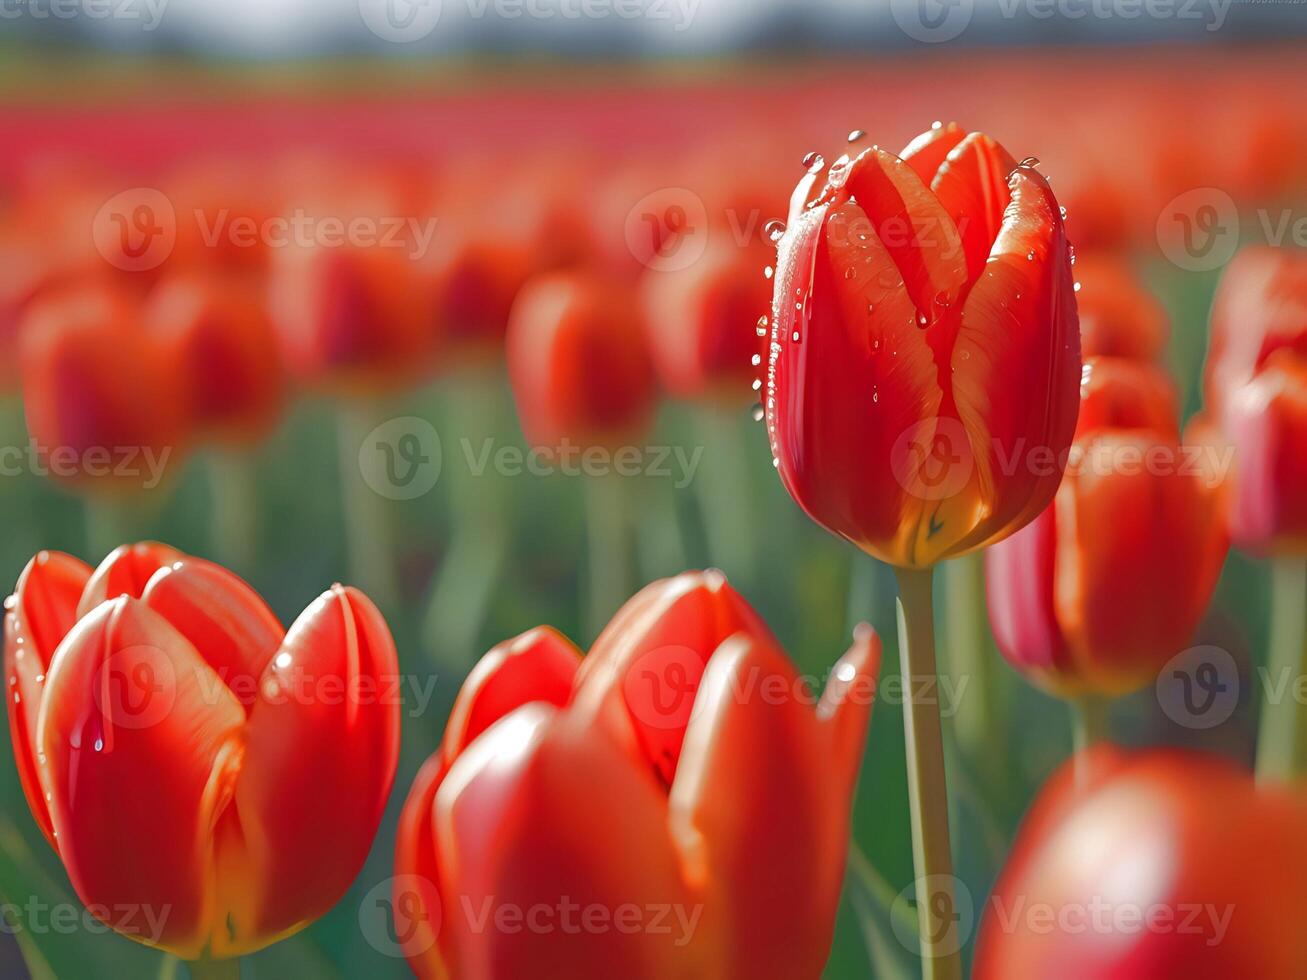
x=308, y=221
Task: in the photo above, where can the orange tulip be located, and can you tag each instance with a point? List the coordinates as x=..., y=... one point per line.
x=923, y=345
x=224, y=341
x=1110, y=581
x=700, y=322
x=1162, y=865
x=675, y=805
x=1118, y=316
x=186, y=754
x=1256, y=394
x=578, y=363
x=104, y=398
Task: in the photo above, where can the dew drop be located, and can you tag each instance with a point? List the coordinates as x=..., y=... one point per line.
x=776, y=463
x=856, y=135
x=937, y=124
x=758, y=412
x=922, y=320
x=757, y=384
x=1030, y=256
x=813, y=162
x=768, y=272
x=774, y=230
x=757, y=359
x=1076, y=287
x=795, y=336
x=1029, y=162
x=761, y=328
x=848, y=273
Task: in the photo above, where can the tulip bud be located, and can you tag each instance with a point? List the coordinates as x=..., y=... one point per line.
x=1110, y=581
x=1256, y=396
x=578, y=362
x=186, y=754
x=1118, y=316
x=104, y=397
x=910, y=294
x=1126, y=869
x=629, y=785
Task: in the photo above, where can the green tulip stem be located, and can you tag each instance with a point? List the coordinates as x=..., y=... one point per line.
x=367, y=518
x=725, y=493
x=1280, y=737
x=234, y=510
x=216, y=969
x=1089, y=722
x=608, y=540
x=927, y=786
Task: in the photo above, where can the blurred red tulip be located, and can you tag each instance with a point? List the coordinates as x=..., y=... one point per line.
x=630, y=785
x=578, y=362
x=105, y=399
x=1111, y=580
x=923, y=344
x=186, y=754
x=701, y=322
x=353, y=318
x=223, y=340
x=1163, y=865
x=1256, y=394
x=1118, y=316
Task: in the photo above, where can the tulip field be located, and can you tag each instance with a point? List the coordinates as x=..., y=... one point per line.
x=693, y=518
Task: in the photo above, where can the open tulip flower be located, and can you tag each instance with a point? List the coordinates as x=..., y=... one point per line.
x=1110, y=581
x=923, y=344
x=1162, y=865
x=184, y=753
x=674, y=805
x=1256, y=396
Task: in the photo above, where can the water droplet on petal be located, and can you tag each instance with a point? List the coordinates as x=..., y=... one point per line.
x=813, y=162
x=856, y=135
x=757, y=384
x=758, y=412
x=757, y=359
x=768, y=272
x=774, y=230
x=937, y=124
x=1076, y=287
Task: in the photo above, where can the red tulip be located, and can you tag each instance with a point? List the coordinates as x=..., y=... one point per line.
x=700, y=322
x=186, y=754
x=578, y=362
x=1165, y=866
x=351, y=317
x=225, y=343
x=680, y=771
x=1118, y=316
x=104, y=398
x=923, y=343
x=1110, y=581
x=1256, y=392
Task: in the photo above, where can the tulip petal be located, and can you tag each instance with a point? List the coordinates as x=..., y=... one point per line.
x=646, y=665
x=323, y=746
x=758, y=746
x=1118, y=394
x=225, y=619
x=972, y=187
x=127, y=570
x=142, y=741
x=40, y=614
x=538, y=665
x=926, y=153
x=1019, y=321
x=549, y=827
x=417, y=872
x=914, y=227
